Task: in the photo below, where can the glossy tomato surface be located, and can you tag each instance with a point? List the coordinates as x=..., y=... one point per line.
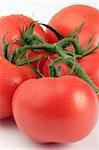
x=10, y=78
x=61, y=110
x=69, y=18
x=90, y=64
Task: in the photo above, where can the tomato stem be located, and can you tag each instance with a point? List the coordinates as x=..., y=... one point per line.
x=27, y=60
x=64, y=42
x=56, y=48
x=78, y=70
x=39, y=74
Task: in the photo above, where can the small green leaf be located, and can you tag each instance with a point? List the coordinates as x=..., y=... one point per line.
x=51, y=70
x=9, y=57
x=88, y=44
x=87, y=52
x=5, y=49
x=77, y=39
x=77, y=30
x=14, y=55
x=30, y=29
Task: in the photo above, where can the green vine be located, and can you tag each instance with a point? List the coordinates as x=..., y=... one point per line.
x=32, y=42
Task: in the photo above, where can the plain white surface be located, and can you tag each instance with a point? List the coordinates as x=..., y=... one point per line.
x=10, y=137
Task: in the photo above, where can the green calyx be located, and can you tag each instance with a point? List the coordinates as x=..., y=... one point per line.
x=28, y=36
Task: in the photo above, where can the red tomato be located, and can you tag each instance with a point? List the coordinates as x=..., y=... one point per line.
x=64, y=69
x=68, y=19
x=10, y=78
x=90, y=64
x=12, y=25
x=62, y=110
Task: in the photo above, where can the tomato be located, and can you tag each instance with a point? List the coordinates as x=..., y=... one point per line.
x=59, y=110
x=10, y=78
x=68, y=19
x=90, y=64
x=12, y=25
x=64, y=69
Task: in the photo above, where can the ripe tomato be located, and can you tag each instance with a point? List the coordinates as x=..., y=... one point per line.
x=10, y=77
x=12, y=25
x=64, y=69
x=68, y=19
x=90, y=64
x=59, y=110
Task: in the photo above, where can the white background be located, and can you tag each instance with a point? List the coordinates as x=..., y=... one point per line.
x=10, y=136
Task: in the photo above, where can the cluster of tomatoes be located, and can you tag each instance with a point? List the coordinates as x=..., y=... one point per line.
x=49, y=80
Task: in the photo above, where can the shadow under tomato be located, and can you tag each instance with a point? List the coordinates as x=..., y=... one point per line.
x=7, y=123
x=53, y=146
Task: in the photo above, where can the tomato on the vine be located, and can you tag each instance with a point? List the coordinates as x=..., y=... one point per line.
x=11, y=26
x=70, y=18
x=59, y=110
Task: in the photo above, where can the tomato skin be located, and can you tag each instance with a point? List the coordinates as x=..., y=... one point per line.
x=10, y=78
x=45, y=69
x=59, y=110
x=68, y=19
x=96, y=52
x=90, y=64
